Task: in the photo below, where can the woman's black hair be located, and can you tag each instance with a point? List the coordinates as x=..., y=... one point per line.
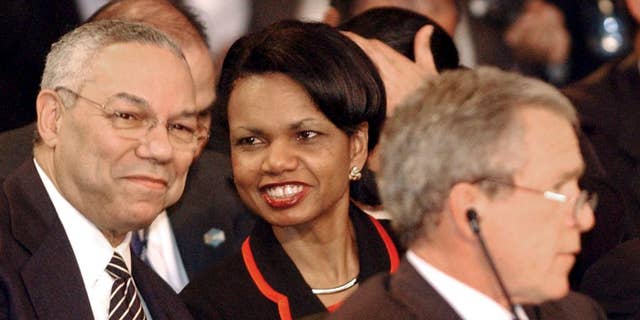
x=338, y=76
x=397, y=28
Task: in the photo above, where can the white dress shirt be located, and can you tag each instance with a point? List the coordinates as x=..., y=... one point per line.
x=163, y=255
x=468, y=303
x=91, y=249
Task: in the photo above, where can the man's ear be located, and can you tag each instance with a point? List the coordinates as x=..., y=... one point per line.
x=49, y=109
x=422, y=49
x=359, y=144
x=331, y=17
x=462, y=197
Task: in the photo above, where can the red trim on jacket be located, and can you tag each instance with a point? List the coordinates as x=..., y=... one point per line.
x=394, y=259
x=334, y=306
x=278, y=298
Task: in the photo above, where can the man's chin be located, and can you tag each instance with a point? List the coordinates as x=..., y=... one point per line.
x=142, y=216
x=542, y=295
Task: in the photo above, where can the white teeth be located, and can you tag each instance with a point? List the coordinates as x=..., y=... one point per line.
x=284, y=191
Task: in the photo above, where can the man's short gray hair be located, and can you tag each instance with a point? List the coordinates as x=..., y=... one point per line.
x=69, y=61
x=461, y=126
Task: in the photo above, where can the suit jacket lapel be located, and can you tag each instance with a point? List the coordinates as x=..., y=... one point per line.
x=51, y=276
x=140, y=273
x=418, y=295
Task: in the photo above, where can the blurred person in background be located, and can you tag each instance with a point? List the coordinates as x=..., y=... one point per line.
x=556, y=40
x=607, y=102
x=406, y=54
x=518, y=47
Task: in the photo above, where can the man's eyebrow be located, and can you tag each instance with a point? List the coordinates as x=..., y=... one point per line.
x=143, y=103
x=131, y=98
x=570, y=175
x=188, y=114
x=575, y=173
x=205, y=111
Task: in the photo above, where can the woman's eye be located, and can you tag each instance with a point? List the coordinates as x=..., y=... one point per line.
x=248, y=141
x=307, y=135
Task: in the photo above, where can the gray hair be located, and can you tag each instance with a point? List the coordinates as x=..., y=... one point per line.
x=461, y=126
x=69, y=61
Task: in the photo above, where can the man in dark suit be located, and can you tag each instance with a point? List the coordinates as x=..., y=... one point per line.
x=491, y=150
x=210, y=221
x=117, y=131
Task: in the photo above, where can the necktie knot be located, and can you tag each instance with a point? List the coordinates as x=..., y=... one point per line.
x=116, y=268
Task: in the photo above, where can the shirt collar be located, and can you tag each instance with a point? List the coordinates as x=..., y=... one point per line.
x=459, y=295
x=91, y=248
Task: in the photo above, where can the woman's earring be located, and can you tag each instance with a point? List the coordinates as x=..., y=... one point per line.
x=355, y=174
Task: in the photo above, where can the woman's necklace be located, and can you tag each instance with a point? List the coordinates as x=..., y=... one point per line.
x=337, y=289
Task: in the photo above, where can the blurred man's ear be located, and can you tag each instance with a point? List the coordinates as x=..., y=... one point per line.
x=422, y=48
x=331, y=17
x=634, y=9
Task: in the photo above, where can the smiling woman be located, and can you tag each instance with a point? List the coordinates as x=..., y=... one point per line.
x=304, y=106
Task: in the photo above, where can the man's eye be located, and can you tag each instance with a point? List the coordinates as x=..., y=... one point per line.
x=182, y=128
x=125, y=116
x=306, y=135
x=125, y=120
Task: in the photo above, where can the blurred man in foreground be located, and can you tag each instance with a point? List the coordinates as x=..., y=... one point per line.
x=486, y=199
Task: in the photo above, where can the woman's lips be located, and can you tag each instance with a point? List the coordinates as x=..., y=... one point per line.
x=283, y=195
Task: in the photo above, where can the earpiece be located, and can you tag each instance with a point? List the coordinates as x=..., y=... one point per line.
x=472, y=217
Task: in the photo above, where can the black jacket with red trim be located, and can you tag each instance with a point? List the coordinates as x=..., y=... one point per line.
x=262, y=282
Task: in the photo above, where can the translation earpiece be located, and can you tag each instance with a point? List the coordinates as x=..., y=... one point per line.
x=472, y=217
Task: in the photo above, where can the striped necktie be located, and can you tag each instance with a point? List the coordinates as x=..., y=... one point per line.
x=125, y=302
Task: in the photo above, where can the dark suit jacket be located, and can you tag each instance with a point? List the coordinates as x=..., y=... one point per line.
x=614, y=281
x=209, y=201
x=607, y=103
x=406, y=295
x=39, y=276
